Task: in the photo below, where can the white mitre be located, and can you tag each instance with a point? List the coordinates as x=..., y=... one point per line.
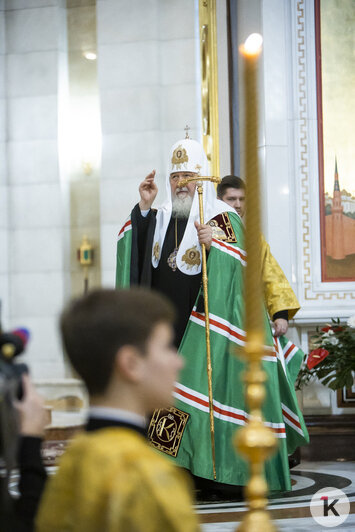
x=187, y=155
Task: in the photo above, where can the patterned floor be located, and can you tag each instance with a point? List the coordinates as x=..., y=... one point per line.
x=291, y=511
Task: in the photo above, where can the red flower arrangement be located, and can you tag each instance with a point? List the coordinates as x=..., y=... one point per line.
x=333, y=359
x=316, y=356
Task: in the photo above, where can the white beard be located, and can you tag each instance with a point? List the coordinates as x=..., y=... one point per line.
x=181, y=207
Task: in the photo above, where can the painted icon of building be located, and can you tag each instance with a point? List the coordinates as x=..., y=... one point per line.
x=340, y=228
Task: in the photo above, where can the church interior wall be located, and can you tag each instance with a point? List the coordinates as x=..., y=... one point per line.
x=147, y=85
x=34, y=42
x=82, y=141
x=4, y=260
x=288, y=149
x=149, y=88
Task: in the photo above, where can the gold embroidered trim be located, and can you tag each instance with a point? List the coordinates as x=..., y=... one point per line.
x=217, y=232
x=192, y=257
x=156, y=251
x=222, y=223
x=179, y=156
x=166, y=428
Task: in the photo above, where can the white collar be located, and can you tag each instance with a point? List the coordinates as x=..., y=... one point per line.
x=118, y=414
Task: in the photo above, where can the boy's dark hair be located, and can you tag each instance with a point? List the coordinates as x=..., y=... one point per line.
x=229, y=181
x=95, y=326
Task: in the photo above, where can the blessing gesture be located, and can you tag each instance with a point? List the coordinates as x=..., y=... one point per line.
x=148, y=191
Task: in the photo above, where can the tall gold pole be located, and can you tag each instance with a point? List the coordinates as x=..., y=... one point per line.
x=183, y=183
x=255, y=441
x=207, y=329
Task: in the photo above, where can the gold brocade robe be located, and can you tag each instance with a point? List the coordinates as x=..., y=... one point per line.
x=277, y=290
x=111, y=480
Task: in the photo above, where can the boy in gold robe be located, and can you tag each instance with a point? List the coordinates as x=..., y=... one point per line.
x=110, y=479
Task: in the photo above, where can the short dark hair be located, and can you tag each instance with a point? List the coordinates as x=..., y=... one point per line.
x=229, y=181
x=95, y=326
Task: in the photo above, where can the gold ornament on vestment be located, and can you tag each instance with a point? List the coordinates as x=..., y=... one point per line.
x=192, y=257
x=156, y=251
x=166, y=428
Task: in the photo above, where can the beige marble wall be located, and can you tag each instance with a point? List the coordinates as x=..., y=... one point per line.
x=4, y=256
x=148, y=85
x=148, y=79
x=34, y=43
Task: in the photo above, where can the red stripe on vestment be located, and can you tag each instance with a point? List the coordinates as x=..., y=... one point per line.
x=291, y=348
x=226, y=328
x=191, y=397
x=222, y=411
x=229, y=414
x=219, y=325
x=279, y=430
x=290, y=418
x=230, y=248
x=124, y=227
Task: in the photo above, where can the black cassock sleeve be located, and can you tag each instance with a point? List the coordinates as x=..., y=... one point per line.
x=142, y=239
x=32, y=481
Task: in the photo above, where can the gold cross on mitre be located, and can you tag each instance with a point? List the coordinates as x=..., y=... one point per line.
x=186, y=128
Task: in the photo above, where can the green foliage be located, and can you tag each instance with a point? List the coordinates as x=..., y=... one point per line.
x=336, y=370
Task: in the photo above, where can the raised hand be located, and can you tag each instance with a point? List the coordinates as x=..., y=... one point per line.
x=148, y=191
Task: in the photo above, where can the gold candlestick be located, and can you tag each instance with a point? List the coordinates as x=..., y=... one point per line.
x=255, y=441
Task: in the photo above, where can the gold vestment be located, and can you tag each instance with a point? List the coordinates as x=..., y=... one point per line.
x=277, y=290
x=111, y=480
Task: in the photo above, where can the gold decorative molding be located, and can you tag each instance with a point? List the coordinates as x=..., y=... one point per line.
x=309, y=293
x=209, y=82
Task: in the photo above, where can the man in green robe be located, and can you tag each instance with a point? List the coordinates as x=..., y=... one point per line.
x=157, y=249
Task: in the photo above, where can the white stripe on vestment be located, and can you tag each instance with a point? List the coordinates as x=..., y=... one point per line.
x=234, y=328
x=234, y=252
x=191, y=391
x=290, y=413
x=269, y=358
x=295, y=418
x=218, y=330
x=291, y=353
x=190, y=402
x=219, y=415
x=280, y=354
x=227, y=334
x=292, y=425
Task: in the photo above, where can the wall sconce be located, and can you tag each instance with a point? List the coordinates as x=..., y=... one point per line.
x=85, y=255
